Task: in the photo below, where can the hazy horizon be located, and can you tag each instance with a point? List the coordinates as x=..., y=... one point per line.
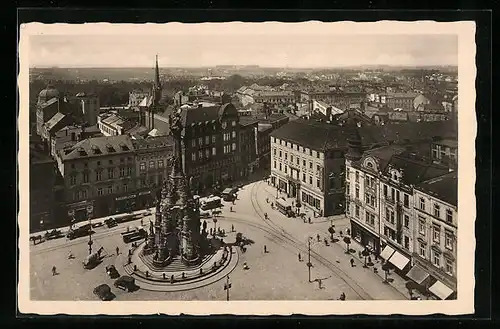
x=197, y=45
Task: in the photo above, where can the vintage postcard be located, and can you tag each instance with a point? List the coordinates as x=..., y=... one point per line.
x=247, y=168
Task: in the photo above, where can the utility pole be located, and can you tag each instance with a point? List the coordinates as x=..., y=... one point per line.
x=227, y=286
x=309, y=264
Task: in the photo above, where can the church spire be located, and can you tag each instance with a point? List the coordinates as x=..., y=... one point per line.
x=157, y=75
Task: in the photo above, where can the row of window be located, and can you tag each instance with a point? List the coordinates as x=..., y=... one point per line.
x=311, y=200
x=304, y=176
x=435, y=258
x=395, y=195
x=98, y=175
x=391, y=234
x=297, y=159
x=86, y=164
x=228, y=148
x=297, y=147
x=436, y=233
x=83, y=194
x=152, y=164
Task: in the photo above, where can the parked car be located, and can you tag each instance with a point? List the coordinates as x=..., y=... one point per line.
x=97, y=224
x=205, y=214
x=110, y=222
x=54, y=234
x=112, y=272
x=126, y=283
x=103, y=292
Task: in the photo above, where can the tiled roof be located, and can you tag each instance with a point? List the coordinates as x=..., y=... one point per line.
x=322, y=136
x=415, y=171
x=98, y=146
x=152, y=142
x=247, y=120
x=444, y=187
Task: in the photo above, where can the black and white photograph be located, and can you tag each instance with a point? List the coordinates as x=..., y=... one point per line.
x=266, y=168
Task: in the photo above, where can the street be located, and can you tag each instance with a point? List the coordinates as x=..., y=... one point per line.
x=275, y=275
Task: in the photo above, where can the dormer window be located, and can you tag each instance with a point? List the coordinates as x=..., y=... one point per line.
x=96, y=150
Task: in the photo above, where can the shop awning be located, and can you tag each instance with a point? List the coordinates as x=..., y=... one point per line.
x=398, y=260
x=441, y=290
x=417, y=274
x=387, y=252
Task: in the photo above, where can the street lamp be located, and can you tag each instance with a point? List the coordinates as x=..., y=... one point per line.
x=215, y=225
x=227, y=286
x=89, y=211
x=309, y=264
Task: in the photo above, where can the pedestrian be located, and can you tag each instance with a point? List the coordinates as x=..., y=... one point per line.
x=300, y=257
x=117, y=251
x=348, y=231
x=265, y=249
x=319, y=284
x=232, y=228
x=141, y=221
x=272, y=205
x=342, y=296
x=360, y=254
x=369, y=260
x=54, y=270
x=352, y=262
x=309, y=219
x=231, y=209
x=317, y=237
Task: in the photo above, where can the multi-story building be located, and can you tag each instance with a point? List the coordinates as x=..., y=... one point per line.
x=275, y=97
x=136, y=97
x=248, y=145
x=435, y=232
x=99, y=176
x=445, y=151
x=153, y=159
x=264, y=144
x=210, y=146
x=111, y=124
x=65, y=137
x=42, y=181
x=403, y=101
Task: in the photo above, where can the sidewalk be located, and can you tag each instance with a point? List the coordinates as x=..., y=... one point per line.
x=341, y=223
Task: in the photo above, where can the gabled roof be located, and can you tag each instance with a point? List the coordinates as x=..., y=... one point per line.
x=444, y=187
x=153, y=141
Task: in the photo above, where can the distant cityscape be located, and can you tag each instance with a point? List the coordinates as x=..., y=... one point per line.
x=361, y=160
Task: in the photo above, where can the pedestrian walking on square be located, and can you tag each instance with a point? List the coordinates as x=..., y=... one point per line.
x=141, y=221
x=309, y=220
x=342, y=296
x=54, y=270
x=317, y=237
x=265, y=249
x=117, y=251
x=300, y=257
x=352, y=262
x=232, y=228
x=319, y=284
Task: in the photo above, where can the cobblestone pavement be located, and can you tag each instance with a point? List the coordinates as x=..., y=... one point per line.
x=275, y=275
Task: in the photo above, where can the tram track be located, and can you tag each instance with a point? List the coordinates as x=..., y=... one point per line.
x=288, y=238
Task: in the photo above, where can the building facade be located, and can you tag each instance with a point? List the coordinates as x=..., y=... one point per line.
x=42, y=181
x=435, y=231
x=248, y=145
x=153, y=163
x=99, y=177
x=210, y=147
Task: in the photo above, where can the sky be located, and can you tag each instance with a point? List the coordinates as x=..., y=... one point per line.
x=196, y=46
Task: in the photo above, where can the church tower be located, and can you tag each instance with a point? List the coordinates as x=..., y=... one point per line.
x=156, y=93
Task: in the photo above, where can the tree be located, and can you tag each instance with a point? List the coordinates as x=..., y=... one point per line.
x=347, y=241
x=411, y=285
x=386, y=268
x=365, y=254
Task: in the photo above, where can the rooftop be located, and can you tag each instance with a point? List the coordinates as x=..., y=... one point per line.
x=247, y=121
x=153, y=142
x=414, y=170
x=98, y=146
x=444, y=187
x=323, y=136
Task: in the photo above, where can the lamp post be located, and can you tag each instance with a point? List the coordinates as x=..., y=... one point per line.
x=309, y=264
x=227, y=286
x=89, y=211
x=215, y=226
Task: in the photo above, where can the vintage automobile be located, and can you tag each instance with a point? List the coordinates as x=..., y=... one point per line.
x=205, y=214
x=126, y=283
x=103, y=292
x=97, y=224
x=112, y=272
x=110, y=222
x=54, y=234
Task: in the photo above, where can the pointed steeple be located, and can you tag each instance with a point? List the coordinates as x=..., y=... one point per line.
x=157, y=75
